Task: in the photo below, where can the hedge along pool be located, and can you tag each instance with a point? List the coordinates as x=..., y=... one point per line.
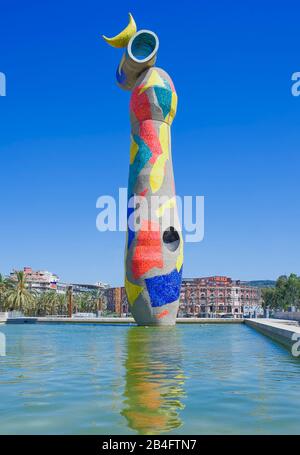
x=188, y=379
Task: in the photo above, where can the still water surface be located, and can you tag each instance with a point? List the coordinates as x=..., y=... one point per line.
x=190, y=379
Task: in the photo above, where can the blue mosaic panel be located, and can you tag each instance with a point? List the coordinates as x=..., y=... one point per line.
x=164, y=289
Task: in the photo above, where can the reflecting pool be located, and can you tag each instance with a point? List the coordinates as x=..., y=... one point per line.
x=104, y=379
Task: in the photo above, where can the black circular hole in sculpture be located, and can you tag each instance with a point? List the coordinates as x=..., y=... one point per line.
x=171, y=238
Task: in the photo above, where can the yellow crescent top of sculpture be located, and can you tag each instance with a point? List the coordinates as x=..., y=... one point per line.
x=123, y=38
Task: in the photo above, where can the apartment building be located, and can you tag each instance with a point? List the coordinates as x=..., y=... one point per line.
x=219, y=296
x=38, y=281
x=43, y=281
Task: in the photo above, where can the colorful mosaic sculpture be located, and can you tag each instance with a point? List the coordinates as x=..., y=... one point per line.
x=154, y=247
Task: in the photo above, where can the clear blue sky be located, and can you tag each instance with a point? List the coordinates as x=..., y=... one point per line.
x=64, y=132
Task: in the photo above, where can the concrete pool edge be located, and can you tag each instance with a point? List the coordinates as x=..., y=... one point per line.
x=278, y=330
x=132, y=321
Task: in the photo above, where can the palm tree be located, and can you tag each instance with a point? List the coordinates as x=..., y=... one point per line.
x=4, y=285
x=46, y=303
x=83, y=303
x=61, y=304
x=99, y=299
x=57, y=303
x=51, y=302
x=17, y=297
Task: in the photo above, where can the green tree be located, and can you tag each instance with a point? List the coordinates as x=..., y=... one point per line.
x=90, y=302
x=84, y=303
x=41, y=308
x=18, y=297
x=4, y=286
x=285, y=295
x=61, y=304
x=292, y=291
x=50, y=303
x=268, y=295
x=98, y=297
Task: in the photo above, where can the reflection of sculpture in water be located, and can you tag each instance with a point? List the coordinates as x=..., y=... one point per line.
x=154, y=380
